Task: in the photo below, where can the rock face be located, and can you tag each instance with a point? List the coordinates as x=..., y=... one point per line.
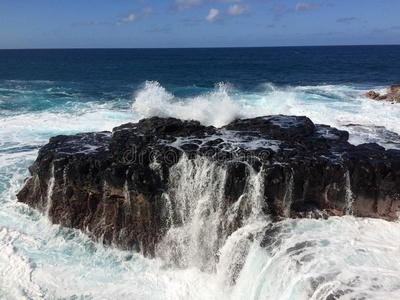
x=375, y=96
x=129, y=187
x=393, y=94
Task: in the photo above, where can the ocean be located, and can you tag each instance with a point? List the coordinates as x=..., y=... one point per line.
x=44, y=93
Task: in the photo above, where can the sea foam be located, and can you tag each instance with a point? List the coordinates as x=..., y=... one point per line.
x=214, y=108
x=341, y=106
x=310, y=260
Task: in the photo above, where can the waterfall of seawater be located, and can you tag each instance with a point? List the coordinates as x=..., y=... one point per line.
x=205, y=229
x=50, y=190
x=65, y=180
x=102, y=225
x=288, y=198
x=349, y=198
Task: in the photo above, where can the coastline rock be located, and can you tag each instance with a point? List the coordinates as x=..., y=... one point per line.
x=393, y=94
x=119, y=187
x=372, y=95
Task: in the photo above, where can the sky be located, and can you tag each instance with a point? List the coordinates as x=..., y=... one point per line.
x=196, y=23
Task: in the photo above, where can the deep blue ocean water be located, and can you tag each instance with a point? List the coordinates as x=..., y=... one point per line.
x=48, y=92
x=98, y=72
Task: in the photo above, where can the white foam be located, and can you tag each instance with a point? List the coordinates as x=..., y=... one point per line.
x=34, y=129
x=203, y=223
x=40, y=260
x=215, y=108
x=315, y=258
x=16, y=269
x=337, y=106
x=230, y=141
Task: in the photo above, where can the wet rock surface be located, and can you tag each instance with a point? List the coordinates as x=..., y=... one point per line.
x=392, y=94
x=116, y=186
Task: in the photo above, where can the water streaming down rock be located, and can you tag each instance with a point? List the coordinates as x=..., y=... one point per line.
x=196, y=193
x=202, y=219
x=126, y=205
x=127, y=194
x=349, y=198
x=185, y=209
x=251, y=204
x=50, y=191
x=100, y=228
x=65, y=181
x=288, y=198
x=234, y=253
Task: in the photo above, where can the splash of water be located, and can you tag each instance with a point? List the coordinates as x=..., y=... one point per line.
x=215, y=108
x=16, y=280
x=343, y=107
x=202, y=218
x=308, y=259
x=196, y=194
x=313, y=259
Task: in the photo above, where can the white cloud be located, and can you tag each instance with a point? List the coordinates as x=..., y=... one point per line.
x=237, y=10
x=184, y=4
x=300, y=7
x=136, y=15
x=130, y=18
x=212, y=14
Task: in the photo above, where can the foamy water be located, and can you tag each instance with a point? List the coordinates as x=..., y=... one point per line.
x=307, y=259
x=344, y=107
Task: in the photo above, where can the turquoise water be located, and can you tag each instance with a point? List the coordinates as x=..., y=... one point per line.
x=43, y=94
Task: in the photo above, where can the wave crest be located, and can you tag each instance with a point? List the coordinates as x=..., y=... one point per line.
x=215, y=108
x=341, y=106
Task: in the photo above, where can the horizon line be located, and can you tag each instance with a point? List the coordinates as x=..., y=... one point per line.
x=233, y=47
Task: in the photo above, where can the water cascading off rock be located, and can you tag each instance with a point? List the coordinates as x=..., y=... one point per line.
x=178, y=189
x=202, y=217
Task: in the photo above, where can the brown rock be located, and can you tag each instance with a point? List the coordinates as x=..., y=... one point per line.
x=394, y=89
x=383, y=97
x=335, y=212
x=393, y=93
x=372, y=95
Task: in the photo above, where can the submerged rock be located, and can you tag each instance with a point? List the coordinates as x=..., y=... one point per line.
x=129, y=187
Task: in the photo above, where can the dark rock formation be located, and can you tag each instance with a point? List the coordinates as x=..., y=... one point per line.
x=114, y=185
x=393, y=94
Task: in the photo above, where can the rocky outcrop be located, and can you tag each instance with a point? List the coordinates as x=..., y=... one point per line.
x=127, y=188
x=393, y=94
x=375, y=96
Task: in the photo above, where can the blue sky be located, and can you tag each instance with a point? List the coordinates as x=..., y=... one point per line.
x=196, y=23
